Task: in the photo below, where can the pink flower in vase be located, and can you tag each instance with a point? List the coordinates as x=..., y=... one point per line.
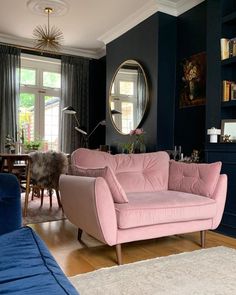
x=138, y=140
x=138, y=131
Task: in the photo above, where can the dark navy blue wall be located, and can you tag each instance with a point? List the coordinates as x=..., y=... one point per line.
x=190, y=122
x=153, y=44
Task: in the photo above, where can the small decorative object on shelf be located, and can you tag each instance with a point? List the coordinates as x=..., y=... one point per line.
x=226, y=138
x=195, y=156
x=213, y=132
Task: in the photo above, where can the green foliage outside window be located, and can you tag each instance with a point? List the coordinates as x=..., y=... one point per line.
x=27, y=77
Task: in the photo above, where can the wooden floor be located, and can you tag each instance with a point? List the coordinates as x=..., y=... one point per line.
x=61, y=239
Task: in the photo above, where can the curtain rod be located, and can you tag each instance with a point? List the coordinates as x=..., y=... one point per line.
x=44, y=52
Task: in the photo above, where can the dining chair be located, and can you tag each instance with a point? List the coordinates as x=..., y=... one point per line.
x=46, y=168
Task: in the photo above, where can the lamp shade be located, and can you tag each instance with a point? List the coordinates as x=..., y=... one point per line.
x=115, y=112
x=69, y=110
x=81, y=131
x=103, y=123
x=213, y=132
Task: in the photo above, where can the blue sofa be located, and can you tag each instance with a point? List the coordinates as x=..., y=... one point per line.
x=26, y=266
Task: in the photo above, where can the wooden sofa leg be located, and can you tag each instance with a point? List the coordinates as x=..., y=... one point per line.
x=118, y=254
x=80, y=231
x=203, y=238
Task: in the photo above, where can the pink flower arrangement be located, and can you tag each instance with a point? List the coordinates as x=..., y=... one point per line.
x=139, y=135
x=136, y=144
x=138, y=131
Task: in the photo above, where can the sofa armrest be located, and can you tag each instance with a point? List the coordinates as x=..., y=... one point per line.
x=10, y=203
x=88, y=204
x=220, y=197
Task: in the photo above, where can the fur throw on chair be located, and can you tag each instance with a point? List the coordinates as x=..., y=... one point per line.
x=46, y=168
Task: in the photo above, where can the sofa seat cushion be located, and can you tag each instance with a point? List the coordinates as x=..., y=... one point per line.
x=152, y=208
x=27, y=267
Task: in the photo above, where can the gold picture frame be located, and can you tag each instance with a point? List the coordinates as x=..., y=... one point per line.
x=228, y=130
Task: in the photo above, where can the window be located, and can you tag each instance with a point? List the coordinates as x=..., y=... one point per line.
x=40, y=99
x=124, y=99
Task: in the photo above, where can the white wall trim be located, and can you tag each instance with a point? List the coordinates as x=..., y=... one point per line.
x=147, y=10
x=185, y=5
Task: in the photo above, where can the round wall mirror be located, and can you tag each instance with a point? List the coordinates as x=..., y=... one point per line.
x=128, y=96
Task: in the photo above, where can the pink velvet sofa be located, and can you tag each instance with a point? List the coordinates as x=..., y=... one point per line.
x=122, y=198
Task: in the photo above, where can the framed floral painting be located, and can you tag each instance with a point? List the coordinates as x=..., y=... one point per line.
x=193, y=81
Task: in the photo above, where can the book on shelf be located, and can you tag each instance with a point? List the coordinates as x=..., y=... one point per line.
x=232, y=47
x=233, y=91
x=224, y=45
x=226, y=90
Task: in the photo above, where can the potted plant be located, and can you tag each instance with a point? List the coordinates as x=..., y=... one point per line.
x=32, y=145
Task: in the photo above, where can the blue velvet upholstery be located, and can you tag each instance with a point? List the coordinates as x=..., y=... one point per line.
x=27, y=267
x=10, y=206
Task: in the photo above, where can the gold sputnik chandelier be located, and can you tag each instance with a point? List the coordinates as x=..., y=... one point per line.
x=46, y=37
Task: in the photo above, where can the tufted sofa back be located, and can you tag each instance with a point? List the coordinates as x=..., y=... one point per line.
x=135, y=172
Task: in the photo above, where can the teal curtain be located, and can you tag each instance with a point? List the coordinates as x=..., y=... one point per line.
x=75, y=93
x=9, y=92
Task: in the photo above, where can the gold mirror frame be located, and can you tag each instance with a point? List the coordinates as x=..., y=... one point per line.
x=145, y=100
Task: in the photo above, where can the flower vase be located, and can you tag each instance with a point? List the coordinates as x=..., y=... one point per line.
x=139, y=147
x=191, y=90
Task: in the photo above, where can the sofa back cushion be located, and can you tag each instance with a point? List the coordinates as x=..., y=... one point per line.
x=134, y=172
x=199, y=179
x=118, y=194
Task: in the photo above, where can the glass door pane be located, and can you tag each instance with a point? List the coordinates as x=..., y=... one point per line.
x=52, y=80
x=51, y=122
x=26, y=115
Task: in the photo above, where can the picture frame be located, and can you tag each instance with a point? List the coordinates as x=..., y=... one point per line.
x=193, y=81
x=228, y=130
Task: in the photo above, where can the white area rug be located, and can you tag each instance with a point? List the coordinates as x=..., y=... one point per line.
x=203, y=272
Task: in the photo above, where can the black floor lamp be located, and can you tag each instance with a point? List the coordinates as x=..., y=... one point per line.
x=71, y=111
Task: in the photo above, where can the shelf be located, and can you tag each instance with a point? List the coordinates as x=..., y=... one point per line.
x=228, y=61
x=226, y=104
x=229, y=18
x=221, y=147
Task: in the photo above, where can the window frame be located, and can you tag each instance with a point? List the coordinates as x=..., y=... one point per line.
x=41, y=65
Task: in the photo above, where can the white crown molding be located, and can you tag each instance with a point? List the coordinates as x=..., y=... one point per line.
x=167, y=7
x=28, y=43
x=185, y=5
x=147, y=10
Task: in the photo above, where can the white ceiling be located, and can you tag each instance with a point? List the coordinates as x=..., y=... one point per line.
x=88, y=25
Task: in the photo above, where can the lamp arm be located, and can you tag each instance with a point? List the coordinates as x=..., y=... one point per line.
x=93, y=130
x=77, y=121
